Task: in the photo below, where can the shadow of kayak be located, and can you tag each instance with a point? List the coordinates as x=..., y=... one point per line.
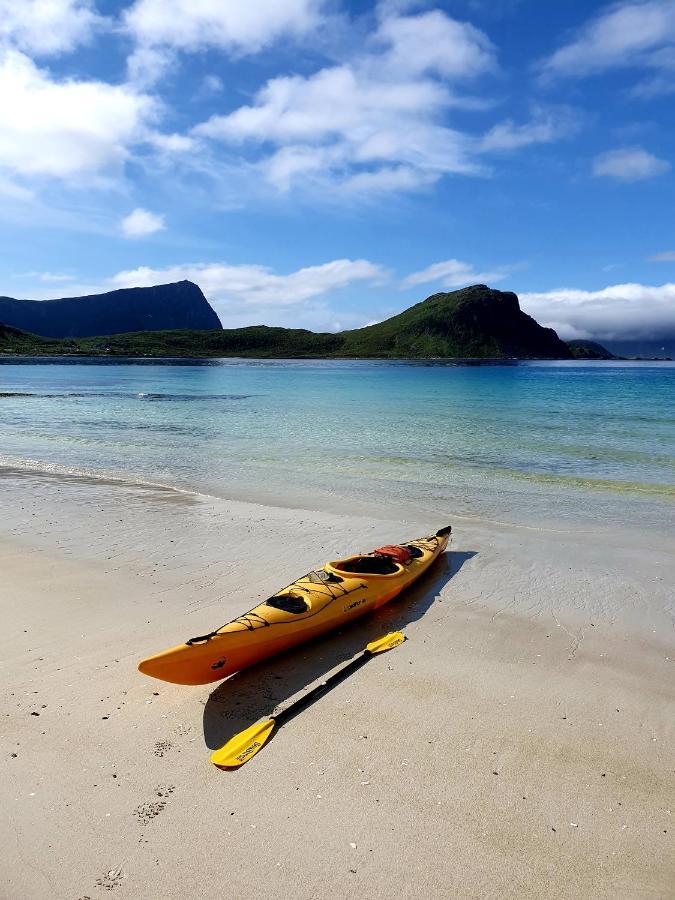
x=254, y=693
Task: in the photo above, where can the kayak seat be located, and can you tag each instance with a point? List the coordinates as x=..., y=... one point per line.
x=368, y=565
x=289, y=603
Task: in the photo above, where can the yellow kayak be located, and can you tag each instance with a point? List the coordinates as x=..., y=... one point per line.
x=318, y=602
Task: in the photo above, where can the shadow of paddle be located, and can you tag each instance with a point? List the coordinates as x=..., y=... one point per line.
x=254, y=693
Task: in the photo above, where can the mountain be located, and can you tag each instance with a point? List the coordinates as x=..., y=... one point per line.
x=589, y=350
x=475, y=322
x=166, y=306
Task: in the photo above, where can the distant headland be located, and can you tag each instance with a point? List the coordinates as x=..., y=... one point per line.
x=176, y=320
x=160, y=308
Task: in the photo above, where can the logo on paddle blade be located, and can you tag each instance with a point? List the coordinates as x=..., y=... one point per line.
x=247, y=752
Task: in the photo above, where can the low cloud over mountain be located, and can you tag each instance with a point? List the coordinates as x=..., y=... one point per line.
x=619, y=312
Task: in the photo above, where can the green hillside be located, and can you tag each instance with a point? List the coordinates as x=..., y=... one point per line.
x=20, y=343
x=475, y=322
x=589, y=350
x=255, y=341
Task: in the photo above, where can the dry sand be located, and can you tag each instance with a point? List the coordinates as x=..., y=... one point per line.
x=519, y=744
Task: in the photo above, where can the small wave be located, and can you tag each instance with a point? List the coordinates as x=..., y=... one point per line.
x=186, y=397
x=16, y=394
x=25, y=466
x=143, y=395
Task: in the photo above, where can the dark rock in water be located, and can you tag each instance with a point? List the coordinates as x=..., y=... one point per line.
x=160, y=308
x=589, y=350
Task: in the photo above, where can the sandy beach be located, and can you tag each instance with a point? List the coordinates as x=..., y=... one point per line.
x=519, y=744
x=286, y=285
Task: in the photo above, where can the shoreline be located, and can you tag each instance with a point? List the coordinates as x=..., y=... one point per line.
x=578, y=492
x=404, y=360
x=529, y=715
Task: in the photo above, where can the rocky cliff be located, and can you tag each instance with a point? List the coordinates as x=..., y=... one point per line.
x=160, y=308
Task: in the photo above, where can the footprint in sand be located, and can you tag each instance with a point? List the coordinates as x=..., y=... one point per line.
x=111, y=879
x=162, y=747
x=150, y=810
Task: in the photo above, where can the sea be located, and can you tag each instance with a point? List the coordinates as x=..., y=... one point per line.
x=541, y=443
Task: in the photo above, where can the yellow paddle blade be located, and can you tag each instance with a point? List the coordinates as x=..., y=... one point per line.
x=388, y=642
x=246, y=744
x=243, y=746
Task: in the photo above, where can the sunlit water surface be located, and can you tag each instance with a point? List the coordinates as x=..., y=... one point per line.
x=533, y=442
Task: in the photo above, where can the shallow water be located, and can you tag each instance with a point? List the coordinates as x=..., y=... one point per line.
x=528, y=442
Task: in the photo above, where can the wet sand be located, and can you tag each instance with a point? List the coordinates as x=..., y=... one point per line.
x=519, y=744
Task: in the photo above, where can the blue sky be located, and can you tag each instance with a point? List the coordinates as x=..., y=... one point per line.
x=326, y=164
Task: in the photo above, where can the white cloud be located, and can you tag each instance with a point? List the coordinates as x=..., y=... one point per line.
x=621, y=311
x=46, y=27
x=334, y=102
x=389, y=179
x=256, y=285
x=375, y=123
x=667, y=256
x=68, y=128
x=433, y=42
x=171, y=143
x=240, y=25
x=545, y=126
x=212, y=84
x=146, y=65
x=453, y=273
x=54, y=277
x=46, y=277
x=628, y=34
x=141, y=223
x=629, y=164
x=618, y=37
x=236, y=26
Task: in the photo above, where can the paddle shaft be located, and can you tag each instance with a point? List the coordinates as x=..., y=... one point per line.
x=286, y=714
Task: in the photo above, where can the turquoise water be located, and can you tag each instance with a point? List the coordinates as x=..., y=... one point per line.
x=536, y=441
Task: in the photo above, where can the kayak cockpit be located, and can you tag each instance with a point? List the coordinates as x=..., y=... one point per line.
x=366, y=565
x=385, y=561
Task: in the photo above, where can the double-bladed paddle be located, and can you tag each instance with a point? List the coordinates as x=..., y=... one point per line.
x=246, y=744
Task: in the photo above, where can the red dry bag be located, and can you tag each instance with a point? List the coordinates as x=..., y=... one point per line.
x=396, y=552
